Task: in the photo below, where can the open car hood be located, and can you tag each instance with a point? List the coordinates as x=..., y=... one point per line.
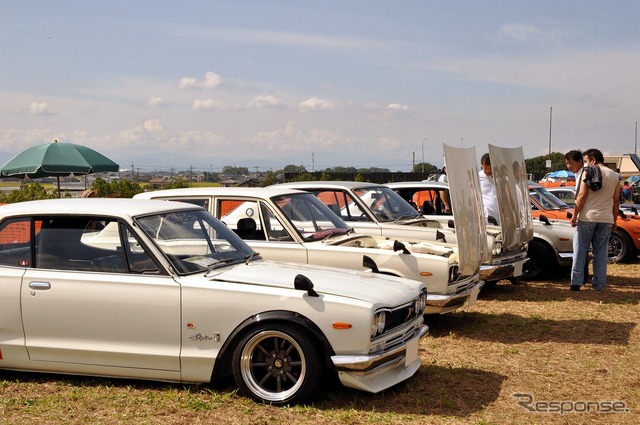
x=468, y=213
x=512, y=191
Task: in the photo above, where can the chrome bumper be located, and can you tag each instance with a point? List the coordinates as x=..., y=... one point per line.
x=375, y=363
x=495, y=272
x=440, y=304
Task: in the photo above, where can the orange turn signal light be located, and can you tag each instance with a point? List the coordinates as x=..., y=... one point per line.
x=428, y=274
x=341, y=325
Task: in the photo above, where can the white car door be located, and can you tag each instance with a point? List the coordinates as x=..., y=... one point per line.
x=101, y=318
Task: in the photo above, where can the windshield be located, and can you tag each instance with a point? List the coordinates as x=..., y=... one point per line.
x=385, y=204
x=545, y=199
x=312, y=219
x=195, y=241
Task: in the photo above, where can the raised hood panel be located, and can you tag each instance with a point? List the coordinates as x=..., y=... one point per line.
x=512, y=191
x=466, y=200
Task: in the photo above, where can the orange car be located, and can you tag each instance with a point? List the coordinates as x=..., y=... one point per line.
x=624, y=243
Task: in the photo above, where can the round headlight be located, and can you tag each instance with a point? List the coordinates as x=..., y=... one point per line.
x=374, y=325
x=381, y=322
x=497, y=249
x=453, y=273
x=422, y=302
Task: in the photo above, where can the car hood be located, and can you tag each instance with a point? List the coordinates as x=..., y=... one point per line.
x=367, y=286
x=512, y=190
x=466, y=200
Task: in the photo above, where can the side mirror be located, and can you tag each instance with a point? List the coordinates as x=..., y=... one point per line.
x=543, y=218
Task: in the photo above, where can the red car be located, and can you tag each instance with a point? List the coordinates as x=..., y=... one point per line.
x=624, y=244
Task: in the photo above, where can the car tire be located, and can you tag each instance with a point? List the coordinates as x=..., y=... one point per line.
x=540, y=261
x=620, y=247
x=277, y=364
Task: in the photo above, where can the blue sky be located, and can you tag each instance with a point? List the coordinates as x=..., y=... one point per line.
x=204, y=84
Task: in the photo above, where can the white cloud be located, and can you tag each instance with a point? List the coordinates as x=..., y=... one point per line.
x=155, y=101
x=260, y=102
x=532, y=34
x=521, y=32
x=316, y=104
x=211, y=81
x=397, y=107
x=188, y=83
x=208, y=104
x=41, y=108
x=154, y=127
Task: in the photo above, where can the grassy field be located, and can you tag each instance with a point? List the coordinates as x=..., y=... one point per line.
x=538, y=340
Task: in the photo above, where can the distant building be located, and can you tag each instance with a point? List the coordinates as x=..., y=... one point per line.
x=622, y=164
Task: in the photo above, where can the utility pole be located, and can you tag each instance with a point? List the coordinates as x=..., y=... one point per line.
x=423, y=155
x=550, y=120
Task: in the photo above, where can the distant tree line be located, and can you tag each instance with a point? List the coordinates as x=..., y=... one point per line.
x=125, y=188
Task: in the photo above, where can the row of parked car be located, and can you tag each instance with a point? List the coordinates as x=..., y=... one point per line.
x=274, y=286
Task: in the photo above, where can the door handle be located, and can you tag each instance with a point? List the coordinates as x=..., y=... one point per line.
x=41, y=286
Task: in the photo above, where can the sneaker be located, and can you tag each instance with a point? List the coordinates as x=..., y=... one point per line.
x=574, y=288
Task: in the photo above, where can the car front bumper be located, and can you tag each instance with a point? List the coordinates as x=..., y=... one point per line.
x=494, y=272
x=441, y=304
x=374, y=373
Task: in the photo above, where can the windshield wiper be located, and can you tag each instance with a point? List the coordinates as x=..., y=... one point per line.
x=338, y=232
x=406, y=217
x=219, y=263
x=254, y=255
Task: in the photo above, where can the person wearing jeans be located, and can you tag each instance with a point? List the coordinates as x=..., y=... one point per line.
x=594, y=217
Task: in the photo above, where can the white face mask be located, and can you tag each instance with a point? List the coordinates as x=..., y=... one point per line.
x=586, y=163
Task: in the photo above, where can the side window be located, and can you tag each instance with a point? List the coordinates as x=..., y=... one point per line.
x=15, y=242
x=242, y=217
x=138, y=260
x=342, y=204
x=274, y=228
x=199, y=202
x=90, y=244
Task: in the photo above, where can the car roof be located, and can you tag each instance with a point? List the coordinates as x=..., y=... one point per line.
x=106, y=207
x=418, y=184
x=264, y=192
x=329, y=184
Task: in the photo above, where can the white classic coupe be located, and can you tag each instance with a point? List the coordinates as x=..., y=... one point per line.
x=292, y=225
x=164, y=291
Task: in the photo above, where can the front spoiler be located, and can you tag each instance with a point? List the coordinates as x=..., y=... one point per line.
x=374, y=373
x=440, y=304
x=496, y=272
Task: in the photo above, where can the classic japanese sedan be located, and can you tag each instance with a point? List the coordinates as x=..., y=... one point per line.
x=164, y=291
x=550, y=248
x=291, y=225
x=376, y=209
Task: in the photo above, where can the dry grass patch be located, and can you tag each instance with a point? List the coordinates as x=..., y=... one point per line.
x=538, y=339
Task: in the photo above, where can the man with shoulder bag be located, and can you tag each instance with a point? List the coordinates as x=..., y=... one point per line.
x=595, y=213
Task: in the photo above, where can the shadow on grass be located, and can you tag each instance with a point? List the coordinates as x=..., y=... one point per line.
x=619, y=291
x=509, y=328
x=433, y=390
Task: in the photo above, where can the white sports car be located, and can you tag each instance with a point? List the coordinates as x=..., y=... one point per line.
x=291, y=225
x=164, y=291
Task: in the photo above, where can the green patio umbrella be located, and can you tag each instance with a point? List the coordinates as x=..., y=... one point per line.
x=55, y=160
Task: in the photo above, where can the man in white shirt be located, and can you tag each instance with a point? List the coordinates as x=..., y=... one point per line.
x=573, y=160
x=488, y=188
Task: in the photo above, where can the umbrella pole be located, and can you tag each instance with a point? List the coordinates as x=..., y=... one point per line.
x=58, y=177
